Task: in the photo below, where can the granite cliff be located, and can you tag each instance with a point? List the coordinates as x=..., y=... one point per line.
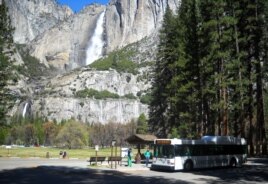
x=70, y=41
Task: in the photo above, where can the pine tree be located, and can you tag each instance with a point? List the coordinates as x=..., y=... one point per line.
x=6, y=41
x=210, y=71
x=265, y=71
x=184, y=94
x=259, y=50
x=163, y=72
x=219, y=65
x=251, y=28
x=142, y=126
x=237, y=72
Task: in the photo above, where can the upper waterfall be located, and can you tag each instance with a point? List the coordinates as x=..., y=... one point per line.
x=96, y=43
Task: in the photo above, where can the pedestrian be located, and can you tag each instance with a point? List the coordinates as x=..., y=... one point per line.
x=129, y=161
x=147, y=155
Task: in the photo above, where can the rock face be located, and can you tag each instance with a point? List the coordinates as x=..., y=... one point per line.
x=58, y=97
x=88, y=110
x=64, y=46
x=67, y=85
x=128, y=21
x=60, y=38
x=31, y=18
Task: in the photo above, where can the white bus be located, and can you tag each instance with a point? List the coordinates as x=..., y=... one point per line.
x=209, y=151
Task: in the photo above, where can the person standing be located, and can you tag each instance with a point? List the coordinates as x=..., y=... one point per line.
x=147, y=155
x=129, y=161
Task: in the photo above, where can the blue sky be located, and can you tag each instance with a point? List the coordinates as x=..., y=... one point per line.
x=77, y=5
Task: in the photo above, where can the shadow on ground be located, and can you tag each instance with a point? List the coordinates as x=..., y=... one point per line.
x=58, y=175
x=257, y=171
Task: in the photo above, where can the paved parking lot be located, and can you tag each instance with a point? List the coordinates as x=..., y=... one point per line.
x=24, y=171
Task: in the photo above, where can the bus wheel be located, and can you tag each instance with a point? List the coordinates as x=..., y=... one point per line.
x=233, y=162
x=188, y=166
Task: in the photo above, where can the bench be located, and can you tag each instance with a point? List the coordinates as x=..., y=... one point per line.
x=115, y=158
x=98, y=159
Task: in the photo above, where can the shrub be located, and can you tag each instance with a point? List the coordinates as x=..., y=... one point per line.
x=118, y=60
x=92, y=93
x=130, y=96
x=72, y=135
x=146, y=99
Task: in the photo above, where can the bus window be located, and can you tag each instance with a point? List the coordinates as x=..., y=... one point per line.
x=183, y=150
x=178, y=150
x=164, y=151
x=187, y=150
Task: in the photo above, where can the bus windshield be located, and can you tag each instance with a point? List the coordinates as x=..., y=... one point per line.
x=164, y=151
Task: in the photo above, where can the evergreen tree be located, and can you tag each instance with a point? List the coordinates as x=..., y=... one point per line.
x=237, y=73
x=251, y=27
x=259, y=50
x=188, y=76
x=6, y=31
x=210, y=71
x=264, y=73
x=142, y=126
x=219, y=65
x=163, y=72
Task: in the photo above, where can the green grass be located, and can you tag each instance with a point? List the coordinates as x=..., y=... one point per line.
x=41, y=152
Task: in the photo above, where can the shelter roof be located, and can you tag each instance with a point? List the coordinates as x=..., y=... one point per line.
x=141, y=139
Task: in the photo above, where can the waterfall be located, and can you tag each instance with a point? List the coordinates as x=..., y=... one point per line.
x=24, y=110
x=96, y=43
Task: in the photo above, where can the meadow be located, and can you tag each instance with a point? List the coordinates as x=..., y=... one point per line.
x=44, y=152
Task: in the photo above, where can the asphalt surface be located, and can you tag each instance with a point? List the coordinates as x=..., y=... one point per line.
x=50, y=171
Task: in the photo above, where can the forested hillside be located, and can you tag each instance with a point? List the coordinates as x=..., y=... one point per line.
x=211, y=71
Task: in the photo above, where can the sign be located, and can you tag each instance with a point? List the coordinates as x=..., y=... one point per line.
x=163, y=141
x=124, y=152
x=8, y=147
x=96, y=147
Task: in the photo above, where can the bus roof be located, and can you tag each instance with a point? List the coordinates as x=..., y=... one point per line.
x=204, y=140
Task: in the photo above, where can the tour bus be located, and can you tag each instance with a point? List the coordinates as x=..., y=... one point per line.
x=209, y=151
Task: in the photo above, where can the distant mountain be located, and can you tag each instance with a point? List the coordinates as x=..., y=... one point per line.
x=121, y=33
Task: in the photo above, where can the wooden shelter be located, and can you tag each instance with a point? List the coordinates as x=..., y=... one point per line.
x=140, y=139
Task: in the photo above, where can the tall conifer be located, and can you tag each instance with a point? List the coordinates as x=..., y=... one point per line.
x=6, y=40
x=163, y=72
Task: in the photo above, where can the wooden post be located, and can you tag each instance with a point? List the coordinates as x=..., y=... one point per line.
x=96, y=157
x=111, y=157
x=115, y=156
x=120, y=154
x=96, y=153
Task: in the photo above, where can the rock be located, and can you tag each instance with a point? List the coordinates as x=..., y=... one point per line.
x=64, y=46
x=130, y=21
x=32, y=18
x=89, y=110
x=112, y=81
x=60, y=38
x=53, y=31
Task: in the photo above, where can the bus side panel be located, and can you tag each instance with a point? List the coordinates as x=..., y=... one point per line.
x=200, y=161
